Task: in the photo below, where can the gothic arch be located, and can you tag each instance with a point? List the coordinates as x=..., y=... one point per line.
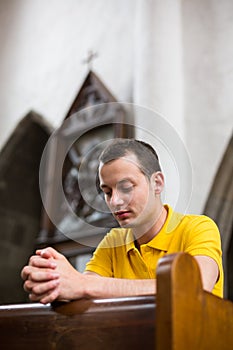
x=219, y=207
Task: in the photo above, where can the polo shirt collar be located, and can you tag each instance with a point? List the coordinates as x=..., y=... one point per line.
x=129, y=240
x=162, y=240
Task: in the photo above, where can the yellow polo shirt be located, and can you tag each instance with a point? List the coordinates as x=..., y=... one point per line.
x=116, y=256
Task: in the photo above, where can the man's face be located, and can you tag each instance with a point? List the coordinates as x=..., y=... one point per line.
x=128, y=193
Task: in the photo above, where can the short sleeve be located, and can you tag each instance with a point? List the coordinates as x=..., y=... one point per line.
x=101, y=261
x=203, y=238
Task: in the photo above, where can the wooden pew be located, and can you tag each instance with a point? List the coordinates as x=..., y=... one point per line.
x=187, y=317
x=121, y=323
x=181, y=317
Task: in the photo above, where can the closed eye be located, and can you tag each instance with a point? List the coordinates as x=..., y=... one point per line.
x=126, y=189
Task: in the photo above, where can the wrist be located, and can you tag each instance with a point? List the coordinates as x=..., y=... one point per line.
x=91, y=286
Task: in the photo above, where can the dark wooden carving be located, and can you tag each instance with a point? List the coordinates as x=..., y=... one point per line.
x=219, y=207
x=92, y=92
x=96, y=117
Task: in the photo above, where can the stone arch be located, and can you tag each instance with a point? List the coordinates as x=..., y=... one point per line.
x=219, y=206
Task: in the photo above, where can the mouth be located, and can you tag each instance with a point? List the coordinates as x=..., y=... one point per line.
x=122, y=214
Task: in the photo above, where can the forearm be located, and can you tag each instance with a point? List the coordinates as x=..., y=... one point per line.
x=106, y=287
x=89, y=286
x=50, y=276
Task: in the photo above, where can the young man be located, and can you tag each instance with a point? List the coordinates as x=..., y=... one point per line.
x=124, y=264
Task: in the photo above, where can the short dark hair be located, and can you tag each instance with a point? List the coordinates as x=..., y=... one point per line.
x=146, y=155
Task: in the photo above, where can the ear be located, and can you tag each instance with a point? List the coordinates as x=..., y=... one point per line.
x=158, y=182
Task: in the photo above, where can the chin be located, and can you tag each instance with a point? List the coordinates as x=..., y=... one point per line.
x=128, y=224
x=124, y=224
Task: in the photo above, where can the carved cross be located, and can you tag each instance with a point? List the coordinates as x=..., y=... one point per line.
x=90, y=57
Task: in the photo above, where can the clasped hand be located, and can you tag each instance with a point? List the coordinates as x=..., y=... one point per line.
x=49, y=276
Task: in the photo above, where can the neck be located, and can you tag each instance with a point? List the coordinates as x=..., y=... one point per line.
x=153, y=230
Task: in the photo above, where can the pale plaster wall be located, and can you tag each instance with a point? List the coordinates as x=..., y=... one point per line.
x=184, y=70
x=43, y=44
x=208, y=74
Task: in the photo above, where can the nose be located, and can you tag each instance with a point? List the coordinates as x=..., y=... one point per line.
x=116, y=199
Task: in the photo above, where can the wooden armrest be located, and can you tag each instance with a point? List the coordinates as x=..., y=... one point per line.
x=193, y=318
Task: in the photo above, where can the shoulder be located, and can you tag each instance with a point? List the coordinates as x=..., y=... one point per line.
x=176, y=219
x=190, y=226
x=200, y=230
x=199, y=222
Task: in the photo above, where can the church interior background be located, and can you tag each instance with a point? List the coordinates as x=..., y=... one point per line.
x=171, y=59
